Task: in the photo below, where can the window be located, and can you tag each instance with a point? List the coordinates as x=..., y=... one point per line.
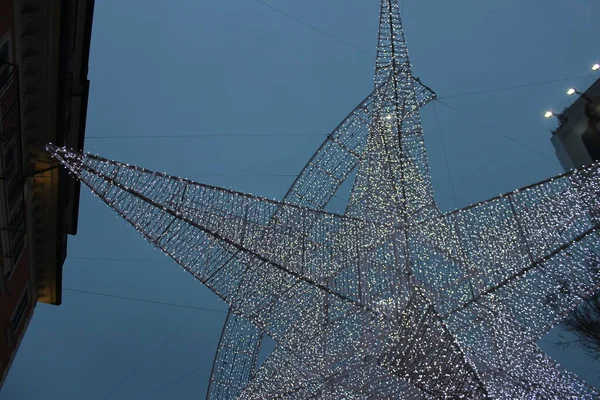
x=16, y=229
x=19, y=312
x=13, y=219
x=5, y=59
x=73, y=6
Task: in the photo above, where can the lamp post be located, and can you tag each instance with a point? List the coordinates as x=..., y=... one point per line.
x=561, y=118
x=573, y=91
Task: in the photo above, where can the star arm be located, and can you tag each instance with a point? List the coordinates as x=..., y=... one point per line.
x=503, y=272
x=510, y=364
x=245, y=248
x=535, y=250
x=392, y=51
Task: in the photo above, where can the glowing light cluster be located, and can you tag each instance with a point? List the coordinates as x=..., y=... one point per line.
x=393, y=299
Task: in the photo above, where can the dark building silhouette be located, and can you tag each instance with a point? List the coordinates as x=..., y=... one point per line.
x=577, y=138
x=44, y=51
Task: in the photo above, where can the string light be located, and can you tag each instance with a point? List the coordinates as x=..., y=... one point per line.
x=393, y=299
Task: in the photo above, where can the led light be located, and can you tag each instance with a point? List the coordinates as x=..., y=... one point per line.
x=595, y=67
x=571, y=92
x=548, y=114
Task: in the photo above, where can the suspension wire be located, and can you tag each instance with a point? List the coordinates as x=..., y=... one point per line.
x=169, y=383
x=144, y=300
x=491, y=128
x=500, y=89
x=342, y=41
x=237, y=135
x=196, y=309
x=156, y=350
x=237, y=175
x=233, y=135
x=120, y=259
x=566, y=98
x=437, y=119
x=246, y=175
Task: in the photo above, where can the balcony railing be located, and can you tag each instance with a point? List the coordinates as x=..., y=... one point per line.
x=12, y=210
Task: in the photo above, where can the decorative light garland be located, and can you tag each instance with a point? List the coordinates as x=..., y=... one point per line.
x=393, y=299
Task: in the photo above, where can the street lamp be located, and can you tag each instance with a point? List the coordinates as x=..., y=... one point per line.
x=560, y=117
x=595, y=67
x=573, y=91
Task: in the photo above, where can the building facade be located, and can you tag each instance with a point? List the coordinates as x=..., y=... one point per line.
x=577, y=138
x=44, y=51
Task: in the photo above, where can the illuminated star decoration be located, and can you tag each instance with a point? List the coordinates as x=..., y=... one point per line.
x=393, y=299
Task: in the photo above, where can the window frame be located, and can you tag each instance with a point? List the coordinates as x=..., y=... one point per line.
x=12, y=326
x=22, y=304
x=5, y=40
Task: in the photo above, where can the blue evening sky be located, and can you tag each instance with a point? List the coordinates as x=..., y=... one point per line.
x=185, y=67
